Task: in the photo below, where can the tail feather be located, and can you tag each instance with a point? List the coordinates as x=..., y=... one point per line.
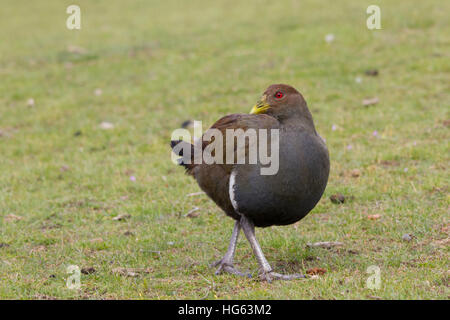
x=186, y=160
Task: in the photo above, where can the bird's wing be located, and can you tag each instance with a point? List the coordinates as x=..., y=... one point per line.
x=232, y=122
x=245, y=121
x=214, y=178
x=236, y=122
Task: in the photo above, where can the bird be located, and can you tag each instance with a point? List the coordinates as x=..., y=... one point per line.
x=254, y=199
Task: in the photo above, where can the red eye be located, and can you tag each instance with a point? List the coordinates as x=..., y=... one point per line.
x=279, y=95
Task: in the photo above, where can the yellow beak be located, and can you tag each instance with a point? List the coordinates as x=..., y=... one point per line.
x=261, y=106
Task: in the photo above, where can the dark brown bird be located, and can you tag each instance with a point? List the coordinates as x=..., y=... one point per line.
x=262, y=200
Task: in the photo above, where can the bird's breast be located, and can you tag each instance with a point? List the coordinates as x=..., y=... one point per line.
x=289, y=194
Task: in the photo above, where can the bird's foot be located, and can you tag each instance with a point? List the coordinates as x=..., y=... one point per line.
x=269, y=276
x=227, y=266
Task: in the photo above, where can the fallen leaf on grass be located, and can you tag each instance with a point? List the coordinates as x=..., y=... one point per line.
x=106, y=125
x=192, y=213
x=30, y=102
x=370, y=101
x=388, y=163
x=12, y=217
x=374, y=216
x=316, y=271
x=194, y=194
x=355, y=173
x=88, y=270
x=371, y=72
x=337, y=198
x=121, y=217
x=130, y=272
x=325, y=244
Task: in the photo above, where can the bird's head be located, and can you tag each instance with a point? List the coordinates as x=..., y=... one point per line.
x=281, y=101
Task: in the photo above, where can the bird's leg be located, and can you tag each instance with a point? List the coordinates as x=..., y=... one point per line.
x=226, y=263
x=266, y=272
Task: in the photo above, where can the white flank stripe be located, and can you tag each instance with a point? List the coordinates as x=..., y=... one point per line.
x=231, y=190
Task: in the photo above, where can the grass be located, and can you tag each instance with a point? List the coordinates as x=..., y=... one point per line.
x=63, y=178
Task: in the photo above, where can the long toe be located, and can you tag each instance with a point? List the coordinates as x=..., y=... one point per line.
x=233, y=270
x=269, y=276
x=215, y=263
x=229, y=268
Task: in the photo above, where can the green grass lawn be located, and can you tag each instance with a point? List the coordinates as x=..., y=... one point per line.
x=147, y=66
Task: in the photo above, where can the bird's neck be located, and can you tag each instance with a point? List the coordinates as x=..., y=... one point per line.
x=301, y=122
